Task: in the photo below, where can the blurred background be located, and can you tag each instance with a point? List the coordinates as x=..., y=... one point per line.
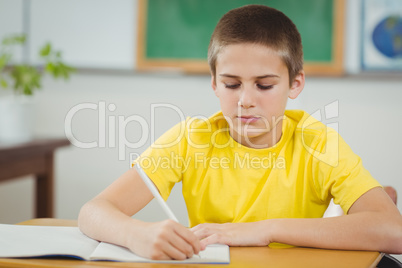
x=99, y=39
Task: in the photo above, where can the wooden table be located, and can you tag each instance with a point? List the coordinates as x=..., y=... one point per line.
x=35, y=158
x=240, y=257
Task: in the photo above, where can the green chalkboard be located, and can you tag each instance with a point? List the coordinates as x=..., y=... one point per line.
x=176, y=33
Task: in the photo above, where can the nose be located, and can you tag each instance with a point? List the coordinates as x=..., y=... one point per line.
x=247, y=98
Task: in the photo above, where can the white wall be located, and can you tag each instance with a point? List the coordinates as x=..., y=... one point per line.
x=11, y=21
x=369, y=112
x=91, y=33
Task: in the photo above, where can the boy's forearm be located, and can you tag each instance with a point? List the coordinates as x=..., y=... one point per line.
x=165, y=240
x=361, y=231
x=100, y=220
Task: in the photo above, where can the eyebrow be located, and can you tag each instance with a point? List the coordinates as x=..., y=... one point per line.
x=258, y=77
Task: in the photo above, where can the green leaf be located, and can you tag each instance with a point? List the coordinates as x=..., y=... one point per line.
x=20, y=39
x=45, y=50
x=49, y=67
x=59, y=69
x=6, y=42
x=68, y=69
x=17, y=39
x=27, y=79
x=4, y=58
x=3, y=83
x=27, y=90
x=56, y=71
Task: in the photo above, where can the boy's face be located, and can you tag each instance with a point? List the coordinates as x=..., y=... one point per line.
x=252, y=84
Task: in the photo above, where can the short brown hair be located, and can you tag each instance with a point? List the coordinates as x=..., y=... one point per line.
x=258, y=24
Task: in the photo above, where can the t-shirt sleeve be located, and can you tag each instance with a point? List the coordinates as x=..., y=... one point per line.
x=163, y=160
x=339, y=173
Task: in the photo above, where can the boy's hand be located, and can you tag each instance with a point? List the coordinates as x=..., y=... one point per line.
x=165, y=240
x=233, y=234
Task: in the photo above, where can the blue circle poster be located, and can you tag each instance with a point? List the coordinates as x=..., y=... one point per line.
x=382, y=34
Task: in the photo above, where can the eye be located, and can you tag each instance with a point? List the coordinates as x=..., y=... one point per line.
x=264, y=87
x=232, y=86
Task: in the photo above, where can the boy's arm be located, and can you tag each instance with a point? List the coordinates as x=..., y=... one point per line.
x=373, y=223
x=108, y=218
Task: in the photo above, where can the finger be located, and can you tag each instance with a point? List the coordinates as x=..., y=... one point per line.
x=204, y=232
x=196, y=228
x=173, y=252
x=201, y=235
x=168, y=244
x=193, y=240
x=215, y=239
x=182, y=246
x=160, y=256
x=190, y=239
x=204, y=226
x=163, y=251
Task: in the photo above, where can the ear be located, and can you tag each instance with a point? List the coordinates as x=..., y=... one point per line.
x=297, y=85
x=213, y=85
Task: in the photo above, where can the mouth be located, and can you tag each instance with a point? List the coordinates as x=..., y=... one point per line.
x=248, y=118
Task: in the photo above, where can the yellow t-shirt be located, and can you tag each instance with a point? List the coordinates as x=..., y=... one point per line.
x=224, y=181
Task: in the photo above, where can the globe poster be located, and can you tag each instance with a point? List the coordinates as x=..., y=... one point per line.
x=382, y=35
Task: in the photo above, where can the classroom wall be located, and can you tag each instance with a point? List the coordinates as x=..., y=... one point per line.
x=368, y=105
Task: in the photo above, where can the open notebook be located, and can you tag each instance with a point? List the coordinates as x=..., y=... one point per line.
x=23, y=241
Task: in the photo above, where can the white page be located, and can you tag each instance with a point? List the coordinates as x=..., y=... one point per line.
x=212, y=254
x=35, y=241
x=31, y=241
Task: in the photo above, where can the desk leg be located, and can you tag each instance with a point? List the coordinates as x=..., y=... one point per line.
x=44, y=190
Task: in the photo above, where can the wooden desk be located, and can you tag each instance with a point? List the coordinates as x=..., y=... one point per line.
x=240, y=257
x=35, y=158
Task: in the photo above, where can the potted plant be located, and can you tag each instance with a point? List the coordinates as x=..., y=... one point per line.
x=16, y=109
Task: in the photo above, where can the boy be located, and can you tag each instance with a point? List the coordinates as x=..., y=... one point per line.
x=252, y=174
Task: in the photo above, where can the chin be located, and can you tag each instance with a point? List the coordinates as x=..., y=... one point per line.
x=252, y=135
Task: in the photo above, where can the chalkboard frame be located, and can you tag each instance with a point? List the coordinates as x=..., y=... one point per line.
x=334, y=67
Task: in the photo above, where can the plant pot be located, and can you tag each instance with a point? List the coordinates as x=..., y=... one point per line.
x=16, y=119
